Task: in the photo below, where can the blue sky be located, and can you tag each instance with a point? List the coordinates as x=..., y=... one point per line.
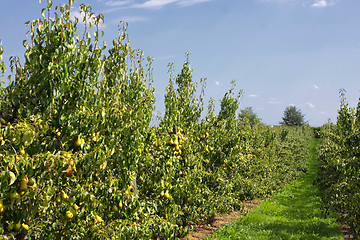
x=280, y=52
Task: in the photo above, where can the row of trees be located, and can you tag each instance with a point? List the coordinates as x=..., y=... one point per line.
x=79, y=159
x=292, y=116
x=339, y=175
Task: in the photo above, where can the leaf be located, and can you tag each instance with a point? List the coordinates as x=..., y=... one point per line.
x=103, y=166
x=49, y=4
x=12, y=178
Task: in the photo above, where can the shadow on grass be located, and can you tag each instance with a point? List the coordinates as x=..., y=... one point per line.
x=293, y=213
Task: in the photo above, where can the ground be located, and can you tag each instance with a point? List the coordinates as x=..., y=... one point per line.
x=202, y=231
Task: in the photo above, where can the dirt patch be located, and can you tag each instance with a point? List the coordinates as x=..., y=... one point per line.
x=202, y=231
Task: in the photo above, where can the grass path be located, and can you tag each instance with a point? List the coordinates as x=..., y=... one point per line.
x=292, y=213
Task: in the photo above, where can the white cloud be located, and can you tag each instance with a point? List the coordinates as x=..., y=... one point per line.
x=310, y=105
x=273, y=101
x=320, y=3
x=315, y=86
x=253, y=96
x=279, y=1
x=217, y=83
x=130, y=19
x=312, y=3
x=118, y=3
x=186, y=3
x=323, y=3
x=152, y=4
x=77, y=14
x=80, y=16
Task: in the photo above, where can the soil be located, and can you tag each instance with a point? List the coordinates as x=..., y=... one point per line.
x=202, y=231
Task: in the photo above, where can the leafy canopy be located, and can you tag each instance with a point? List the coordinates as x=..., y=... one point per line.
x=248, y=113
x=293, y=117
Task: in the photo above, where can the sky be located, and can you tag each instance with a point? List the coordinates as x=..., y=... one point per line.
x=280, y=52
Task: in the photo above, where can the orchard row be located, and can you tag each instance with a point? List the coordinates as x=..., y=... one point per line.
x=80, y=160
x=340, y=167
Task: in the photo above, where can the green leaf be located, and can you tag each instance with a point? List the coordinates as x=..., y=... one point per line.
x=49, y=4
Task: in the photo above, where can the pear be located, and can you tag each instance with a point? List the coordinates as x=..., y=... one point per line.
x=69, y=172
x=23, y=185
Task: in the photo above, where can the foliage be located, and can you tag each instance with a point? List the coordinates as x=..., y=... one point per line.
x=317, y=132
x=79, y=159
x=293, y=213
x=340, y=169
x=76, y=123
x=2, y=64
x=293, y=117
x=249, y=114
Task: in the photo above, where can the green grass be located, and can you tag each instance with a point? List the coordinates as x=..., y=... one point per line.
x=293, y=213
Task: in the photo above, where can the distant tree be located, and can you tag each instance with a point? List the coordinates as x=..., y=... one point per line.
x=293, y=117
x=249, y=114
